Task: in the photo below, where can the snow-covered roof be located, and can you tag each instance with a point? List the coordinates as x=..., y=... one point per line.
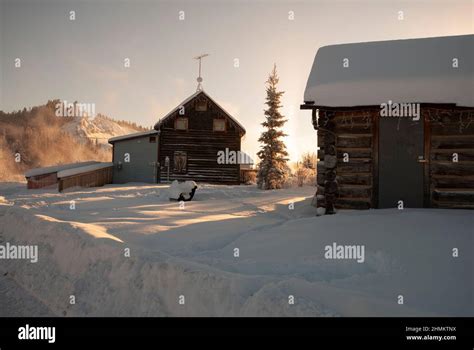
x=157, y=125
x=413, y=70
x=132, y=136
x=83, y=169
x=56, y=168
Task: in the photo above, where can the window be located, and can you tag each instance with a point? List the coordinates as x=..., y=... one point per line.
x=152, y=139
x=201, y=106
x=219, y=125
x=181, y=123
x=180, y=160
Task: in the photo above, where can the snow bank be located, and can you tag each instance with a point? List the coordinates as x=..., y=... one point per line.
x=83, y=169
x=179, y=190
x=105, y=283
x=190, y=251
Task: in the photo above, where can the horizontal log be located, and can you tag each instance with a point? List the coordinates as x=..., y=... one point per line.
x=196, y=147
x=452, y=181
x=452, y=129
x=359, y=118
x=189, y=138
x=363, y=141
x=354, y=152
x=449, y=142
x=354, y=128
x=212, y=172
x=355, y=191
x=352, y=135
x=353, y=167
x=451, y=205
x=447, y=154
x=170, y=132
x=464, y=168
x=354, y=161
x=453, y=137
x=448, y=117
x=454, y=195
x=354, y=179
x=204, y=179
x=353, y=203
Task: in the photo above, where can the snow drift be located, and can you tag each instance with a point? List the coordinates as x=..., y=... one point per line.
x=190, y=252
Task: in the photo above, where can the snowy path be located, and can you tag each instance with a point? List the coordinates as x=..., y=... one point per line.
x=190, y=251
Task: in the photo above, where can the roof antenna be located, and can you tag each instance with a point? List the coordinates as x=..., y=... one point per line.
x=199, y=78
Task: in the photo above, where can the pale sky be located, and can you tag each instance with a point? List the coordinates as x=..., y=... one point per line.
x=83, y=60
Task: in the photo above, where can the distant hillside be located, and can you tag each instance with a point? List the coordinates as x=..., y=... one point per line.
x=37, y=137
x=99, y=129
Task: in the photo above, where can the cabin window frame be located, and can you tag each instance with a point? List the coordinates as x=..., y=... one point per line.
x=185, y=119
x=152, y=139
x=201, y=106
x=183, y=167
x=214, y=125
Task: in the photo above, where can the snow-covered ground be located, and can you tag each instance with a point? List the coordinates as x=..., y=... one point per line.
x=190, y=252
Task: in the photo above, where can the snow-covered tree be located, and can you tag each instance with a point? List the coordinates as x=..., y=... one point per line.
x=306, y=169
x=308, y=160
x=273, y=169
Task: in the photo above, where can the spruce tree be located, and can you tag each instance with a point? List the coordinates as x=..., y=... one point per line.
x=273, y=169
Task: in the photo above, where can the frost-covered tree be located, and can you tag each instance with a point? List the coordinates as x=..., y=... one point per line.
x=308, y=160
x=273, y=169
x=306, y=169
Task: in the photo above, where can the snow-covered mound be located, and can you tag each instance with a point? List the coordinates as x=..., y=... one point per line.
x=98, y=129
x=182, y=190
x=232, y=251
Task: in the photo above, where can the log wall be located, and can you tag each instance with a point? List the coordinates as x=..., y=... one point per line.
x=201, y=144
x=201, y=148
x=347, y=167
x=347, y=143
x=451, y=138
x=94, y=178
x=42, y=181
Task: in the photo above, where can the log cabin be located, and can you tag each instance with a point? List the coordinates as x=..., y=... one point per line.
x=61, y=177
x=368, y=158
x=184, y=145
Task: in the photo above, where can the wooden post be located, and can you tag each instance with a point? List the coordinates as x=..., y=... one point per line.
x=327, y=192
x=427, y=192
x=375, y=158
x=319, y=189
x=330, y=162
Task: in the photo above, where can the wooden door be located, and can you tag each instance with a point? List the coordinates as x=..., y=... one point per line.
x=400, y=162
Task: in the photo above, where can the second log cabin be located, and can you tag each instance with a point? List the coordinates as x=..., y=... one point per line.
x=395, y=124
x=184, y=145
